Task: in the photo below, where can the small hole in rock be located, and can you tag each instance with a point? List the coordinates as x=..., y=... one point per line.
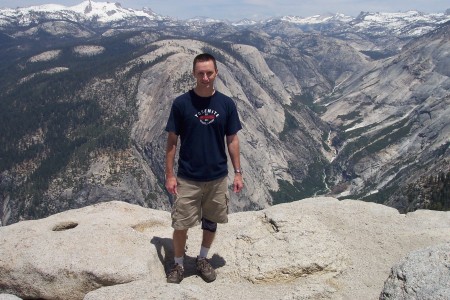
x=64, y=226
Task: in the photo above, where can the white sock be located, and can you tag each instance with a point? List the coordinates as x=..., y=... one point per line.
x=179, y=260
x=203, y=252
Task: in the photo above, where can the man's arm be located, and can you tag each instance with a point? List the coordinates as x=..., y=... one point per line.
x=233, y=150
x=171, y=149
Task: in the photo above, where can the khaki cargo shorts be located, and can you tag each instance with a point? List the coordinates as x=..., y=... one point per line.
x=200, y=199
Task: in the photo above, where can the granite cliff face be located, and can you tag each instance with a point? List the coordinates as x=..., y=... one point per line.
x=325, y=112
x=317, y=248
x=394, y=121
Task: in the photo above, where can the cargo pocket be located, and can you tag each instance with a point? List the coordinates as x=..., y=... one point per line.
x=225, y=210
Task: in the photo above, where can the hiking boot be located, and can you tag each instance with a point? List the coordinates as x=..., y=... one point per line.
x=205, y=269
x=176, y=274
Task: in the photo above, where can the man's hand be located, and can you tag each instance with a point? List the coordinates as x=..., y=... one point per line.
x=238, y=184
x=171, y=185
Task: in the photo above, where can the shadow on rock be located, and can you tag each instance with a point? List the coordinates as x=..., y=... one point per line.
x=164, y=248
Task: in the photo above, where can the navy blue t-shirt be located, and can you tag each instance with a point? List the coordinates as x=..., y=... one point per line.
x=202, y=124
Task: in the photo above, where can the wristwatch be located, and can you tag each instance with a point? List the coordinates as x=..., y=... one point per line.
x=238, y=171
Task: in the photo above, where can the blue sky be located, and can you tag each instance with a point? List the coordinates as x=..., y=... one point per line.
x=258, y=9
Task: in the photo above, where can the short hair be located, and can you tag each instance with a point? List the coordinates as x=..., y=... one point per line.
x=204, y=57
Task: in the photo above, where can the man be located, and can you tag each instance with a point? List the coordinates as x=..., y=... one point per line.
x=206, y=121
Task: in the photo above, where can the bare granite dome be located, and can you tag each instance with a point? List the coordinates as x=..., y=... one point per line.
x=317, y=248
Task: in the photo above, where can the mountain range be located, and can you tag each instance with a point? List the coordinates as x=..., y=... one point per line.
x=352, y=107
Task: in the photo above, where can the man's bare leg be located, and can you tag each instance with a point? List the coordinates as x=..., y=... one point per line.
x=176, y=275
x=179, y=242
x=208, y=238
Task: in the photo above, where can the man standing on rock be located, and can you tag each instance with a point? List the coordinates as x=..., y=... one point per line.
x=206, y=121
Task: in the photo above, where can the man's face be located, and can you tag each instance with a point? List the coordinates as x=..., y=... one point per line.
x=205, y=73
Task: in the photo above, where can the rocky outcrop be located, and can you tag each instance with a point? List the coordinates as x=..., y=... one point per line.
x=314, y=248
x=69, y=254
x=8, y=297
x=398, y=121
x=423, y=274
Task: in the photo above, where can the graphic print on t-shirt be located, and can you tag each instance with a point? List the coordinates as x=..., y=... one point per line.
x=207, y=116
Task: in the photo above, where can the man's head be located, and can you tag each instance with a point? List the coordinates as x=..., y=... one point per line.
x=205, y=71
x=202, y=58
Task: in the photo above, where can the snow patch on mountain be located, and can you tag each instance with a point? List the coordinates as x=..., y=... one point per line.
x=399, y=23
x=108, y=12
x=244, y=22
x=317, y=19
x=102, y=12
x=410, y=23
